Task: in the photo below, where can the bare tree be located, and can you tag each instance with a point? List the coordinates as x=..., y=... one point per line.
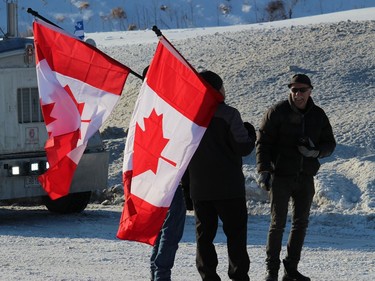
x=83, y=5
x=106, y=19
x=132, y=27
x=120, y=15
x=225, y=9
x=191, y=14
x=321, y=6
x=292, y=3
x=276, y=10
x=60, y=18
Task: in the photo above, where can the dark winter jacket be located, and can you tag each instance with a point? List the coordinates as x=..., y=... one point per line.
x=215, y=170
x=280, y=131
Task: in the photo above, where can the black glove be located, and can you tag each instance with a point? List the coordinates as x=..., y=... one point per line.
x=265, y=180
x=185, y=185
x=187, y=199
x=307, y=148
x=251, y=130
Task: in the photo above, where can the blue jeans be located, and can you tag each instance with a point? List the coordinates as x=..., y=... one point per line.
x=165, y=248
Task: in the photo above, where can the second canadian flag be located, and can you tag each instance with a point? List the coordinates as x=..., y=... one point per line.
x=172, y=112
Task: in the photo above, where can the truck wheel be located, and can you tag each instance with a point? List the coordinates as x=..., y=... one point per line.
x=72, y=203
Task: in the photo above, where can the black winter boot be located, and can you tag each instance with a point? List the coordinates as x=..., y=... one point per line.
x=272, y=271
x=271, y=276
x=291, y=273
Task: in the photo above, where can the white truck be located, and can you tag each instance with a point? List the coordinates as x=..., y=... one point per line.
x=23, y=132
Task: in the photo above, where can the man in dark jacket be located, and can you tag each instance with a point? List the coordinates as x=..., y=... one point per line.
x=217, y=188
x=292, y=136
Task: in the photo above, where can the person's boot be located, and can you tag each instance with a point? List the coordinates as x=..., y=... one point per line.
x=291, y=273
x=272, y=271
x=271, y=276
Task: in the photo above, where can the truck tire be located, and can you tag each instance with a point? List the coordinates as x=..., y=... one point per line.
x=72, y=203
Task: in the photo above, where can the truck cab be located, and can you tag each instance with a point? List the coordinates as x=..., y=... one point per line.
x=23, y=133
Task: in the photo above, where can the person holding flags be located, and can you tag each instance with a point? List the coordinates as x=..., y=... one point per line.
x=217, y=188
x=164, y=251
x=173, y=110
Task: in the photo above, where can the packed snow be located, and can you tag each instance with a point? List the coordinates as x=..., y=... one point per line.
x=256, y=63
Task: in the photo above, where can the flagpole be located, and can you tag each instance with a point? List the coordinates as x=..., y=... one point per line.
x=36, y=14
x=157, y=31
x=160, y=35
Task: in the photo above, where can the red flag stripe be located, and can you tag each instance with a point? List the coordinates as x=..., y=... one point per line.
x=58, y=147
x=198, y=107
x=140, y=221
x=83, y=57
x=56, y=181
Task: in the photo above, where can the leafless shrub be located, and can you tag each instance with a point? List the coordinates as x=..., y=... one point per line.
x=132, y=27
x=276, y=10
x=292, y=3
x=60, y=18
x=225, y=9
x=118, y=13
x=83, y=5
x=104, y=17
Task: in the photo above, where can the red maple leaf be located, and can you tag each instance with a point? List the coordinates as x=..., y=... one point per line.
x=149, y=144
x=47, y=108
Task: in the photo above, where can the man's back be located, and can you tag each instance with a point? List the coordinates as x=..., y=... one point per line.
x=216, y=167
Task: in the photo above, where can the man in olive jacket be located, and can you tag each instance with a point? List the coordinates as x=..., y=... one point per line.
x=292, y=136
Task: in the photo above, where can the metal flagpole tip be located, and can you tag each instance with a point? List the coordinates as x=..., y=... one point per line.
x=91, y=42
x=32, y=12
x=157, y=31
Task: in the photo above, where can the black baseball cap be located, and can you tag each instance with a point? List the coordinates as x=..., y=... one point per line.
x=300, y=78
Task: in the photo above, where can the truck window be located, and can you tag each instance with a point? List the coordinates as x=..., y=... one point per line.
x=28, y=106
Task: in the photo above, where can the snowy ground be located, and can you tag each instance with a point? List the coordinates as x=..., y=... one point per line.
x=37, y=245
x=256, y=63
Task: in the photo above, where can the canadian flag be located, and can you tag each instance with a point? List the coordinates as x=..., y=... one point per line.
x=78, y=88
x=172, y=112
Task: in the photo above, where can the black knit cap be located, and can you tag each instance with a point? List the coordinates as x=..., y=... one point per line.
x=300, y=78
x=212, y=78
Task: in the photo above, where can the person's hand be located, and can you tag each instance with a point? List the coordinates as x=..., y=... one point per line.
x=188, y=202
x=307, y=148
x=251, y=130
x=265, y=180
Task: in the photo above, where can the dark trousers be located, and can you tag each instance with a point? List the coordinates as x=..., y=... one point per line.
x=233, y=214
x=301, y=190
